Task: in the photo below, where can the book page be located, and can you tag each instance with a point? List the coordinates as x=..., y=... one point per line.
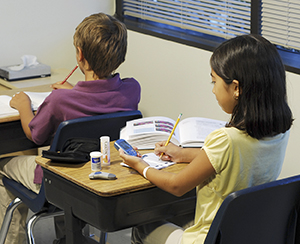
x=194, y=130
x=5, y=108
x=37, y=98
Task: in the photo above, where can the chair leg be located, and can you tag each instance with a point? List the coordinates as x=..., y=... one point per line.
x=7, y=218
x=32, y=221
x=103, y=237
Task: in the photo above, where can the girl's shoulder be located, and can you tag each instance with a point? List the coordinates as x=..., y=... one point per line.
x=227, y=136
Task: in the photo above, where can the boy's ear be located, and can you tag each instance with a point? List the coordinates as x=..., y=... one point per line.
x=80, y=54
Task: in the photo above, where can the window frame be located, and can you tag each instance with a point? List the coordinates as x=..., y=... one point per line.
x=205, y=41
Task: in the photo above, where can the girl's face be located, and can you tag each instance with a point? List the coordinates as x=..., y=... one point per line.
x=226, y=95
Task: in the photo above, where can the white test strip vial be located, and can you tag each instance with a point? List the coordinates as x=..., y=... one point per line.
x=95, y=160
x=105, y=150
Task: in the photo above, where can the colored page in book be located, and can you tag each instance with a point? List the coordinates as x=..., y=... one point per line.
x=194, y=130
x=150, y=125
x=144, y=133
x=5, y=108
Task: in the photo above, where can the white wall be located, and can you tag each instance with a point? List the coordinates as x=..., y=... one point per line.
x=44, y=29
x=174, y=77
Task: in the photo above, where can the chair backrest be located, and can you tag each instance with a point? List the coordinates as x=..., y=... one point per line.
x=262, y=214
x=93, y=127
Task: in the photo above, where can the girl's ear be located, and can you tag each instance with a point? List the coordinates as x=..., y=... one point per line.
x=236, y=87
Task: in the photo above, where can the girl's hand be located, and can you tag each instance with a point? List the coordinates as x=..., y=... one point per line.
x=132, y=161
x=59, y=85
x=20, y=101
x=170, y=152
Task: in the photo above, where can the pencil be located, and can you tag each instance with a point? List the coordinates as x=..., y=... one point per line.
x=171, y=134
x=69, y=75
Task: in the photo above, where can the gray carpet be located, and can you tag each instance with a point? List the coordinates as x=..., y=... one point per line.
x=44, y=233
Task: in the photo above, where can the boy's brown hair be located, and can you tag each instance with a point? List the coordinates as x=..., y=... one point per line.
x=103, y=41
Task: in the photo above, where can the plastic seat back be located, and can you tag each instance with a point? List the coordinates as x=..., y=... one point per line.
x=93, y=127
x=262, y=214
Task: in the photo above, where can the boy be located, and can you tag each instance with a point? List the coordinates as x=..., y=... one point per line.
x=101, y=43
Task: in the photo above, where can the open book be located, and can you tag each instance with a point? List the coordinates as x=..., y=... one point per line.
x=191, y=132
x=37, y=99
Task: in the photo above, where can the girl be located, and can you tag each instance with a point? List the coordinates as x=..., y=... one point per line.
x=249, y=83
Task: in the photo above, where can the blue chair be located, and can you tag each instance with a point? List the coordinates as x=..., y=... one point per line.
x=87, y=127
x=267, y=213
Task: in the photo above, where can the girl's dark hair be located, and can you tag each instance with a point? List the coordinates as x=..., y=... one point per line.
x=103, y=41
x=262, y=108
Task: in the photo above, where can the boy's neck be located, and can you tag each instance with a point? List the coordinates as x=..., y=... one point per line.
x=90, y=75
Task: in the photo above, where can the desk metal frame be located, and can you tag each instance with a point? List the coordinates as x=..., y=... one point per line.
x=13, y=139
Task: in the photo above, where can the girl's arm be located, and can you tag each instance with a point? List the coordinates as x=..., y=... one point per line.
x=22, y=103
x=196, y=172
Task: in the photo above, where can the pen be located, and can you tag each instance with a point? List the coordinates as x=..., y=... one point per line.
x=171, y=134
x=69, y=75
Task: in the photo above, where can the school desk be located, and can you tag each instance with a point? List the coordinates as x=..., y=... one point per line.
x=12, y=137
x=109, y=205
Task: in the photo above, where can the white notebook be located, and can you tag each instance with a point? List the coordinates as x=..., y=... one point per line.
x=37, y=98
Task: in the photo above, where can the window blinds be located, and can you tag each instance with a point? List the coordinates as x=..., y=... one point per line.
x=219, y=18
x=281, y=22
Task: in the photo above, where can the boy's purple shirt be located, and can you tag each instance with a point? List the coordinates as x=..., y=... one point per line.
x=87, y=98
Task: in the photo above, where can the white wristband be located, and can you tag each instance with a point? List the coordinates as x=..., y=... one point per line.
x=145, y=171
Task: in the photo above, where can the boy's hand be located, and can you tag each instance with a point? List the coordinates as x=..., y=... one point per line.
x=59, y=85
x=20, y=101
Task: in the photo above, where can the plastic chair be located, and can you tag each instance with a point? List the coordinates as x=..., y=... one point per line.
x=87, y=127
x=267, y=213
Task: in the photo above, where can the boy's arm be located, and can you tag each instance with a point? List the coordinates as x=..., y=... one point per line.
x=22, y=103
x=59, y=85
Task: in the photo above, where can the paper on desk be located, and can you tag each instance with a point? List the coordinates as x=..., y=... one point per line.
x=36, y=98
x=154, y=161
x=27, y=61
x=6, y=109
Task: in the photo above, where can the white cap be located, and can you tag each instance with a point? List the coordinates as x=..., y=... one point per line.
x=95, y=154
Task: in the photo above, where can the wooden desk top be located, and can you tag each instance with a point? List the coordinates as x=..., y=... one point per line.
x=56, y=75
x=128, y=180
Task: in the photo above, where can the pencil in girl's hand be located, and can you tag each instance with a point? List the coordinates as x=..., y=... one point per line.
x=171, y=134
x=69, y=75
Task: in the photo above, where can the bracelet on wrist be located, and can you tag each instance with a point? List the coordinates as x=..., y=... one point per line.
x=145, y=171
